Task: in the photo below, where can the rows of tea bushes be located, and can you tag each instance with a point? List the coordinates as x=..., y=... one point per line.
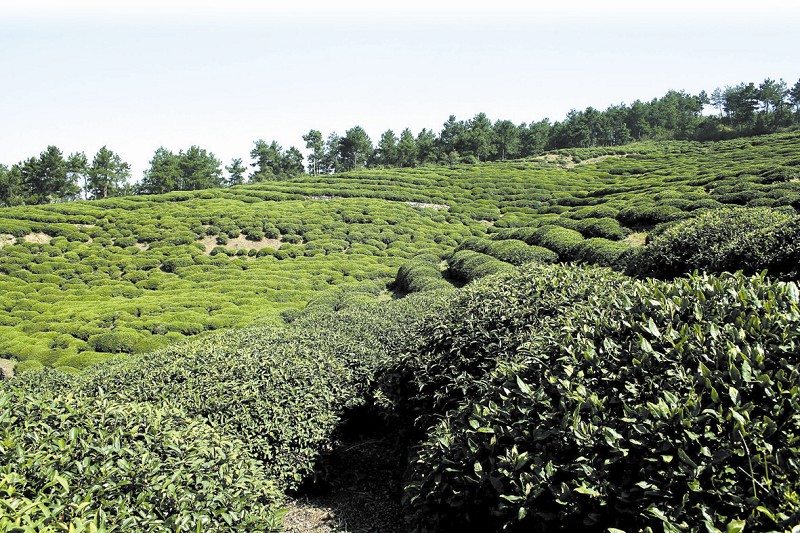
x=205, y=436
x=557, y=397
x=720, y=240
x=129, y=276
x=83, y=282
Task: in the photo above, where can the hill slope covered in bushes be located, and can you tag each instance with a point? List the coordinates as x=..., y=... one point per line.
x=561, y=387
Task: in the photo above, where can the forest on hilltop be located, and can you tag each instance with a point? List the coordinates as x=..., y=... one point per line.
x=742, y=110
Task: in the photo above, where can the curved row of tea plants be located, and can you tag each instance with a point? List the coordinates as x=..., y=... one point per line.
x=203, y=436
x=571, y=397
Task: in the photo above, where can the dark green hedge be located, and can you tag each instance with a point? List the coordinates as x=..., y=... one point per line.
x=561, y=398
x=748, y=239
x=420, y=274
x=466, y=265
x=511, y=251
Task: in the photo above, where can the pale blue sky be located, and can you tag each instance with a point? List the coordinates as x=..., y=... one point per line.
x=139, y=75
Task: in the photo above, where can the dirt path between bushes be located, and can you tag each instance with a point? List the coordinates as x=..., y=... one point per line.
x=359, y=491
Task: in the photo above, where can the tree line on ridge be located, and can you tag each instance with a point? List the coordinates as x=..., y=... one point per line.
x=741, y=110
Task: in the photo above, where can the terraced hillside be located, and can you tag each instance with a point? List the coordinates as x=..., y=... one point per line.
x=529, y=335
x=84, y=281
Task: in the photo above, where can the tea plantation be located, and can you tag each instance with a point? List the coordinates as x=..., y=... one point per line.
x=559, y=343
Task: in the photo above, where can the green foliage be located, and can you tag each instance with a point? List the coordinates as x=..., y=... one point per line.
x=110, y=465
x=466, y=265
x=136, y=262
x=562, y=241
x=724, y=240
x=510, y=250
x=648, y=215
x=571, y=397
x=603, y=252
x=420, y=274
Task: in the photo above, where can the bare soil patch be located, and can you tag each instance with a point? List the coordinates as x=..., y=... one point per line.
x=38, y=238
x=239, y=243
x=7, y=367
x=360, y=491
x=427, y=205
x=323, y=198
x=636, y=239
x=140, y=245
x=5, y=239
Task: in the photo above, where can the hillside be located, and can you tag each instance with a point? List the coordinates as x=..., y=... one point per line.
x=83, y=281
x=528, y=333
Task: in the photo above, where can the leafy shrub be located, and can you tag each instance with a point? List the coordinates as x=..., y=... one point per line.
x=120, y=466
x=466, y=265
x=603, y=252
x=648, y=215
x=607, y=228
x=293, y=385
x=724, y=240
x=509, y=250
x=115, y=341
x=173, y=263
x=254, y=235
x=517, y=252
x=420, y=274
x=560, y=240
x=568, y=398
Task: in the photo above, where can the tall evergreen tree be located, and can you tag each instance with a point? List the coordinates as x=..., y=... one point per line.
x=407, y=149
x=355, y=148
x=507, y=136
x=164, y=174
x=426, y=147
x=794, y=96
x=236, y=171
x=107, y=175
x=316, y=147
x=452, y=137
x=267, y=161
x=386, y=153
x=480, y=137
x=534, y=137
x=292, y=163
x=11, y=190
x=77, y=172
x=48, y=178
x=331, y=161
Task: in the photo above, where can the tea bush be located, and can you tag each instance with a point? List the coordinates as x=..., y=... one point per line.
x=344, y=228
x=202, y=436
x=420, y=274
x=560, y=240
x=603, y=252
x=749, y=239
x=466, y=265
x=509, y=250
x=80, y=463
x=648, y=215
x=555, y=398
